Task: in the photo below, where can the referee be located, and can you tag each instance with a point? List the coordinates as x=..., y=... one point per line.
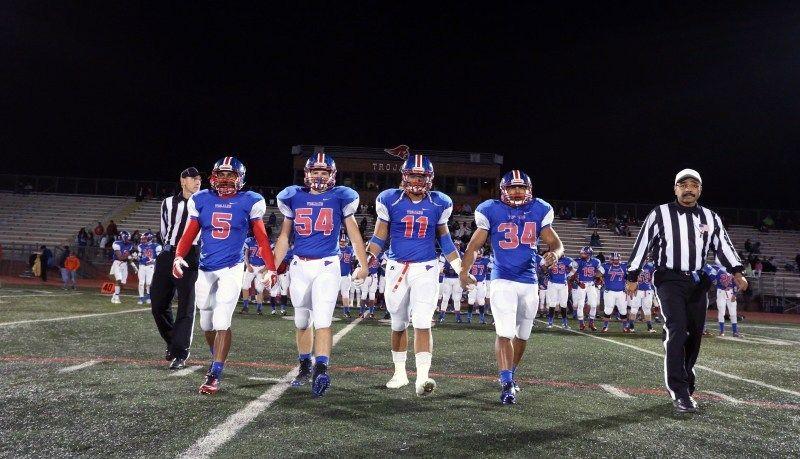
x=177, y=332
x=678, y=236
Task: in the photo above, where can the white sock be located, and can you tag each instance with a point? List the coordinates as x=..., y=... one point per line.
x=423, y=360
x=116, y=290
x=399, y=359
x=141, y=290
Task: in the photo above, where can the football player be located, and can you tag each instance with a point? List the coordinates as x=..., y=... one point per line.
x=644, y=297
x=222, y=215
x=280, y=290
x=346, y=268
x=515, y=222
x=479, y=270
x=315, y=214
x=414, y=217
x=119, y=268
x=557, y=291
x=451, y=287
x=148, y=251
x=614, y=295
x=254, y=267
x=368, y=289
x=726, y=299
x=588, y=276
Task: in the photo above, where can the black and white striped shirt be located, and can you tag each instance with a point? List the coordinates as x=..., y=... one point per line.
x=174, y=216
x=679, y=238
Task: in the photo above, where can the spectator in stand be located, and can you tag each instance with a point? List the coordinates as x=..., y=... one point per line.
x=748, y=246
x=272, y=221
x=467, y=209
x=565, y=214
x=45, y=256
x=770, y=265
x=140, y=194
x=98, y=232
x=768, y=223
x=90, y=239
x=602, y=257
x=594, y=240
x=758, y=267
x=112, y=230
x=591, y=221
x=82, y=240
x=136, y=236
x=362, y=225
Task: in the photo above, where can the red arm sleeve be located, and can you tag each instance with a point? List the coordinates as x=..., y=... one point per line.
x=263, y=243
x=191, y=231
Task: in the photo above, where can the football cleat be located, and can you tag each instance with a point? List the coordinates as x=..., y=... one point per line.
x=140, y=301
x=148, y=300
x=707, y=333
x=591, y=325
x=346, y=316
x=652, y=330
x=721, y=333
x=516, y=387
x=507, y=396
x=283, y=312
x=604, y=330
x=177, y=364
x=565, y=326
x=425, y=388
x=398, y=380
x=737, y=335
x=549, y=326
x=304, y=375
x=243, y=311
x=631, y=330
x=370, y=316
x=211, y=386
x=273, y=312
x=582, y=327
x=625, y=330
x=321, y=380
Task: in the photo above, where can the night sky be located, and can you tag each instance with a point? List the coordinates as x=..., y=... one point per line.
x=594, y=103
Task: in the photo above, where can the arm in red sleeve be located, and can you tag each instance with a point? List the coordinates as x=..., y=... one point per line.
x=263, y=243
x=191, y=231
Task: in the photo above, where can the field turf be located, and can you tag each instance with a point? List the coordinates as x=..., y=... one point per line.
x=124, y=401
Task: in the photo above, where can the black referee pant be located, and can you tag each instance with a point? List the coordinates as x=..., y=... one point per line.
x=683, y=304
x=177, y=332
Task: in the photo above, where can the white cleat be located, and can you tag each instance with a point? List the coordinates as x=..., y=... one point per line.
x=140, y=302
x=426, y=387
x=398, y=380
x=115, y=300
x=149, y=301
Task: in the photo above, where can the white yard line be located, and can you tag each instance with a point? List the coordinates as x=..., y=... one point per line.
x=769, y=327
x=81, y=316
x=219, y=435
x=186, y=371
x=615, y=391
x=710, y=370
x=274, y=380
x=727, y=398
x=80, y=366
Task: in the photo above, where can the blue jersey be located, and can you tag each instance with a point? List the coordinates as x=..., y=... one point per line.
x=373, y=266
x=614, y=276
x=723, y=280
x=560, y=270
x=514, y=232
x=480, y=269
x=224, y=222
x=346, y=260
x=253, y=252
x=587, y=269
x=447, y=269
x=124, y=248
x=412, y=225
x=646, y=276
x=317, y=218
x=148, y=253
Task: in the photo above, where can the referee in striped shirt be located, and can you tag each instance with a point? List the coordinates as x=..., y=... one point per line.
x=678, y=237
x=177, y=331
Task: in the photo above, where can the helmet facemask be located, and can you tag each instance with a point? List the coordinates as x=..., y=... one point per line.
x=516, y=194
x=225, y=182
x=319, y=183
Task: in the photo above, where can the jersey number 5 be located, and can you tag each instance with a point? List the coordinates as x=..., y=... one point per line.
x=221, y=221
x=409, y=221
x=512, y=240
x=303, y=224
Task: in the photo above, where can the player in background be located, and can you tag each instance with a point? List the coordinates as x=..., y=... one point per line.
x=477, y=295
x=644, y=297
x=222, y=215
x=588, y=276
x=543, y=279
x=451, y=287
x=119, y=268
x=315, y=215
x=254, y=268
x=346, y=268
x=515, y=222
x=415, y=218
x=148, y=251
x=280, y=291
x=726, y=299
x=557, y=290
x=614, y=295
x=368, y=290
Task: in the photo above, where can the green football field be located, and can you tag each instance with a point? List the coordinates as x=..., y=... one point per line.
x=83, y=377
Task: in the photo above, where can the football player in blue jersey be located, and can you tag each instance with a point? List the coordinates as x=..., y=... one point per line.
x=119, y=268
x=222, y=215
x=588, y=277
x=614, y=295
x=515, y=222
x=346, y=268
x=451, y=287
x=280, y=291
x=557, y=290
x=148, y=251
x=726, y=299
x=414, y=218
x=254, y=268
x=543, y=276
x=315, y=215
x=644, y=297
x=477, y=295
x=367, y=290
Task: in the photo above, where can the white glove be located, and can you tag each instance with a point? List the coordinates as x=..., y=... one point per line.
x=471, y=287
x=177, y=267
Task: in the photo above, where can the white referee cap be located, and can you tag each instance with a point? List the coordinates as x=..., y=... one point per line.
x=687, y=173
